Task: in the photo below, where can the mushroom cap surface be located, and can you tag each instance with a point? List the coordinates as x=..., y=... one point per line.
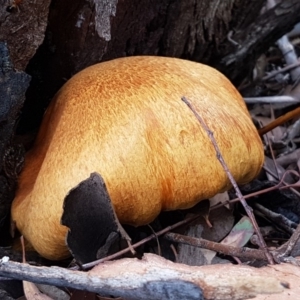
x=125, y=120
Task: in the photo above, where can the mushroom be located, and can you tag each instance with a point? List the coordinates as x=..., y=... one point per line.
x=125, y=120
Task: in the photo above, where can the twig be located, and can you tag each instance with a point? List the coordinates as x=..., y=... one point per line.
x=291, y=186
x=247, y=208
x=229, y=38
x=282, y=119
x=23, y=249
x=174, y=252
x=289, y=158
x=284, y=69
x=276, y=218
x=147, y=239
x=278, y=186
x=157, y=240
x=290, y=244
x=271, y=99
x=272, y=155
x=289, y=54
x=225, y=249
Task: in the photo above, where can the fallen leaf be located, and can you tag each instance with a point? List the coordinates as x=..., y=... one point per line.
x=222, y=222
x=33, y=293
x=240, y=233
x=219, y=198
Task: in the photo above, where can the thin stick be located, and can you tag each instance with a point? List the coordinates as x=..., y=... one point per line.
x=273, y=155
x=242, y=252
x=291, y=186
x=23, y=249
x=247, y=208
x=276, y=218
x=174, y=252
x=284, y=69
x=291, y=243
x=278, y=186
x=157, y=240
x=279, y=121
x=271, y=99
x=145, y=240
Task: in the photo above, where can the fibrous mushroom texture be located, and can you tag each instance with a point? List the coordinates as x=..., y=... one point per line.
x=125, y=120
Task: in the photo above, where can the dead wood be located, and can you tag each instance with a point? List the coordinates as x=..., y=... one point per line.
x=218, y=247
x=12, y=95
x=257, y=37
x=153, y=277
x=23, y=25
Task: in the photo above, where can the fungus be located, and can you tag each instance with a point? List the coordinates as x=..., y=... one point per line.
x=125, y=120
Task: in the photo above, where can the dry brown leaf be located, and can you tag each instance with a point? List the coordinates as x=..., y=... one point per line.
x=33, y=293
x=219, y=198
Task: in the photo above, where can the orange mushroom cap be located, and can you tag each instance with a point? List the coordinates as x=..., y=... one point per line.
x=125, y=120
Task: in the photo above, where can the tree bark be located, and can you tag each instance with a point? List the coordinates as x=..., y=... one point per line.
x=12, y=95
x=22, y=26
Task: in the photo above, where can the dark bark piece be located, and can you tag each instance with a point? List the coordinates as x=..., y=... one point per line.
x=82, y=33
x=257, y=38
x=94, y=229
x=5, y=296
x=244, y=13
x=23, y=24
x=11, y=289
x=169, y=290
x=13, y=86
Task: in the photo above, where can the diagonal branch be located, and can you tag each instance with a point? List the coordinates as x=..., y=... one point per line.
x=247, y=208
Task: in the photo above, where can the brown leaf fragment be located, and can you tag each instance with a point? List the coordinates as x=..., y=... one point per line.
x=240, y=233
x=33, y=293
x=219, y=198
x=194, y=256
x=53, y=292
x=222, y=220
